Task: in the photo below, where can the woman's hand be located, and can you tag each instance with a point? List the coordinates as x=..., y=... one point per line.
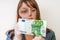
x=18, y=35
x=38, y=38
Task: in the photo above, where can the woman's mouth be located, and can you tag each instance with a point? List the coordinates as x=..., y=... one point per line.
x=30, y=18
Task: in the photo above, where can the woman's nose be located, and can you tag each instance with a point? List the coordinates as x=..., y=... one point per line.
x=30, y=13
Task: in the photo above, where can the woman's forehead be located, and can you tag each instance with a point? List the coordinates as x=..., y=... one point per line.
x=26, y=5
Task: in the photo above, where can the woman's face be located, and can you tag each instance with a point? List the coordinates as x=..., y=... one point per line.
x=27, y=12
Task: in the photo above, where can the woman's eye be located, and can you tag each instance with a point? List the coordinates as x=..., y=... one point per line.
x=23, y=11
x=33, y=10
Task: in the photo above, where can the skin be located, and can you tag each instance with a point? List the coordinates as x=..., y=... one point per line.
x=27, y=13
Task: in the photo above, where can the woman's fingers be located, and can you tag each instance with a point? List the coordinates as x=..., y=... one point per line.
x=38, y=38
x=17, y=32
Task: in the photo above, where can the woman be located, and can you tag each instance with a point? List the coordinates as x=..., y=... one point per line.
x=28, y=9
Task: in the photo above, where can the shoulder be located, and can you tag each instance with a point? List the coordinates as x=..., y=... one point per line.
x=11, y=34
x=49, y=31
x=50, y=34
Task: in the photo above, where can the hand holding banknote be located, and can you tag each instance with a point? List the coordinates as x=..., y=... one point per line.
x=38, y=38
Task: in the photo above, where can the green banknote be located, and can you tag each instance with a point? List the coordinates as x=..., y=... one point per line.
x=32, y=27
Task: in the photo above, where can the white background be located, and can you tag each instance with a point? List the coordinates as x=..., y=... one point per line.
x=49, y=9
